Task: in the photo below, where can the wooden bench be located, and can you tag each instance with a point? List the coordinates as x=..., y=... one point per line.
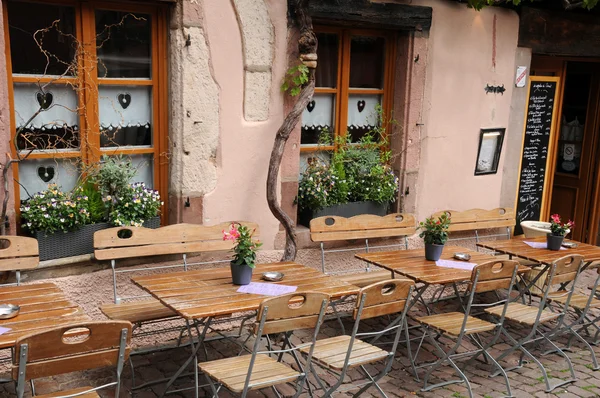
x=363, y=227
x=477, y=220
x=130, y=242
x=18, y=253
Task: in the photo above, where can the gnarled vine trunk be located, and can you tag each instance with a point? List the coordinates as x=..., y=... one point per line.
x=307, y=46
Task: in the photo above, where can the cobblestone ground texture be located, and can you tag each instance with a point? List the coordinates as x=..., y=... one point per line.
x=525, y=382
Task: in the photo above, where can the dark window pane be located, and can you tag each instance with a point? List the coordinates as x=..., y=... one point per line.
x=327, y=64
x=123, y=42
x=367, y=57
x=53, y=27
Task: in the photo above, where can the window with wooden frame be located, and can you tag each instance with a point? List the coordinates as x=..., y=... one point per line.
x=86, y=79
x=354, y=77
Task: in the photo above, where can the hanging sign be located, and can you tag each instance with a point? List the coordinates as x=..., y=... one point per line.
x=521, y=78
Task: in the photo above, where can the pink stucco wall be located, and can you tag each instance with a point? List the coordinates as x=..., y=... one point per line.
x=244, y=147
x=464, y=54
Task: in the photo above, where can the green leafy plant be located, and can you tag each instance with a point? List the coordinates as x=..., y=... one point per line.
x=96, y=206
x=134, y=205
x=112, y=175
x=435, y=231
x=294, y=79
x=357, y=172
x=245, y=248
x=53, y=210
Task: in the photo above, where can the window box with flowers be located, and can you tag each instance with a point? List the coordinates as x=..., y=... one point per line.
x=64, y=223
x=359, y=179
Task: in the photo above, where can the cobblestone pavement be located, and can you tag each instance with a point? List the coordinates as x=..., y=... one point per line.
x=525, y=382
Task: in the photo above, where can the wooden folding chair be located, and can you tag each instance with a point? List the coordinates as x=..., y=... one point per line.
x=581, y=306
x=70, y=349
x=563, y=271
x=264, y=368
x=341, y=353
x=486, y=277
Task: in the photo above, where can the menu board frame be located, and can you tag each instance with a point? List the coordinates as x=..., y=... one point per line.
x=548, y=169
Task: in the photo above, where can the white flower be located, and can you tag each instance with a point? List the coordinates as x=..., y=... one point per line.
x=62, y=220
x=46, y=216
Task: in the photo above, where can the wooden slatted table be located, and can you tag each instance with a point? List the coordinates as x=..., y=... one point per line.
x=412, y=264
x=517, y=248
x=200, y=296
x=43, y=306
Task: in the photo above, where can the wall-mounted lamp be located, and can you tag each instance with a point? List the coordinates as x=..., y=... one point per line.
x=188, y=41
x=187, y=202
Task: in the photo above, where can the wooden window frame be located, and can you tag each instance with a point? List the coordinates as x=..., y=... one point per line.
x=85, y=29
x=343, y=90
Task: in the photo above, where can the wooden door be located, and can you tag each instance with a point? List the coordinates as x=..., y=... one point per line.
x=576, y=152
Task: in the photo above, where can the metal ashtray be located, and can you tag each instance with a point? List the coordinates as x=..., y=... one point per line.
x=8, y=311
x=272, y=276
x=569, y=245
x=462, y=256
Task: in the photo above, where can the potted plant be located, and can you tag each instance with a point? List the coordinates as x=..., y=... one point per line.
x=136, y=206
x=54, y=217
x=558, y=231
x=358, y=179
x=434, y=234
x=244, y=257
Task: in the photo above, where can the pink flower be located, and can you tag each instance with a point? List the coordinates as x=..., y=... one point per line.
x=555, y=218
x=232, y=234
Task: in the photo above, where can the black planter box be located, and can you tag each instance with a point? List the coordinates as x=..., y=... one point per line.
x=343, y=210
x=75, y=243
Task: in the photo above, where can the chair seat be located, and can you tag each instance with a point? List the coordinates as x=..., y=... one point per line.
x=451, y=323
x=521, y=313
x=137, y=311
x=332, y=352
x=92, y=394
x=366, y=278
x=578, y=301
x=232, y=372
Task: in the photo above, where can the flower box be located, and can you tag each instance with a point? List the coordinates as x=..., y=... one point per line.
x=344, y=210
x=75, y=243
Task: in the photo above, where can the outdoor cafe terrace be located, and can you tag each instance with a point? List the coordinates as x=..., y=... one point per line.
x=70, y=335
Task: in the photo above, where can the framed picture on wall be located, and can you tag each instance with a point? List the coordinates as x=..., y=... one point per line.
x=490, y=148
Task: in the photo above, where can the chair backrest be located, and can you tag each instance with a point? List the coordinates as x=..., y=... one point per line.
x=70, y=349
x=493, y=275
x=564, y=270
x=128, y=242
x=365, y=226
x=479, y=219
x=18, y=253
x=383, y=298
x=132, y=242
x=299, y=310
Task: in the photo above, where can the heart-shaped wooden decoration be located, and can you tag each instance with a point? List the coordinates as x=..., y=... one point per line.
x=310, y=106
x=361, y=105
x=46, y=173
x=44, y=99
x=124, y=100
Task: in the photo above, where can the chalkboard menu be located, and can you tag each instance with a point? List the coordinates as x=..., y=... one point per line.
x=538, y=127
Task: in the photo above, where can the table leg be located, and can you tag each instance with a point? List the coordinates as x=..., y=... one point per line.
x=193, y=357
